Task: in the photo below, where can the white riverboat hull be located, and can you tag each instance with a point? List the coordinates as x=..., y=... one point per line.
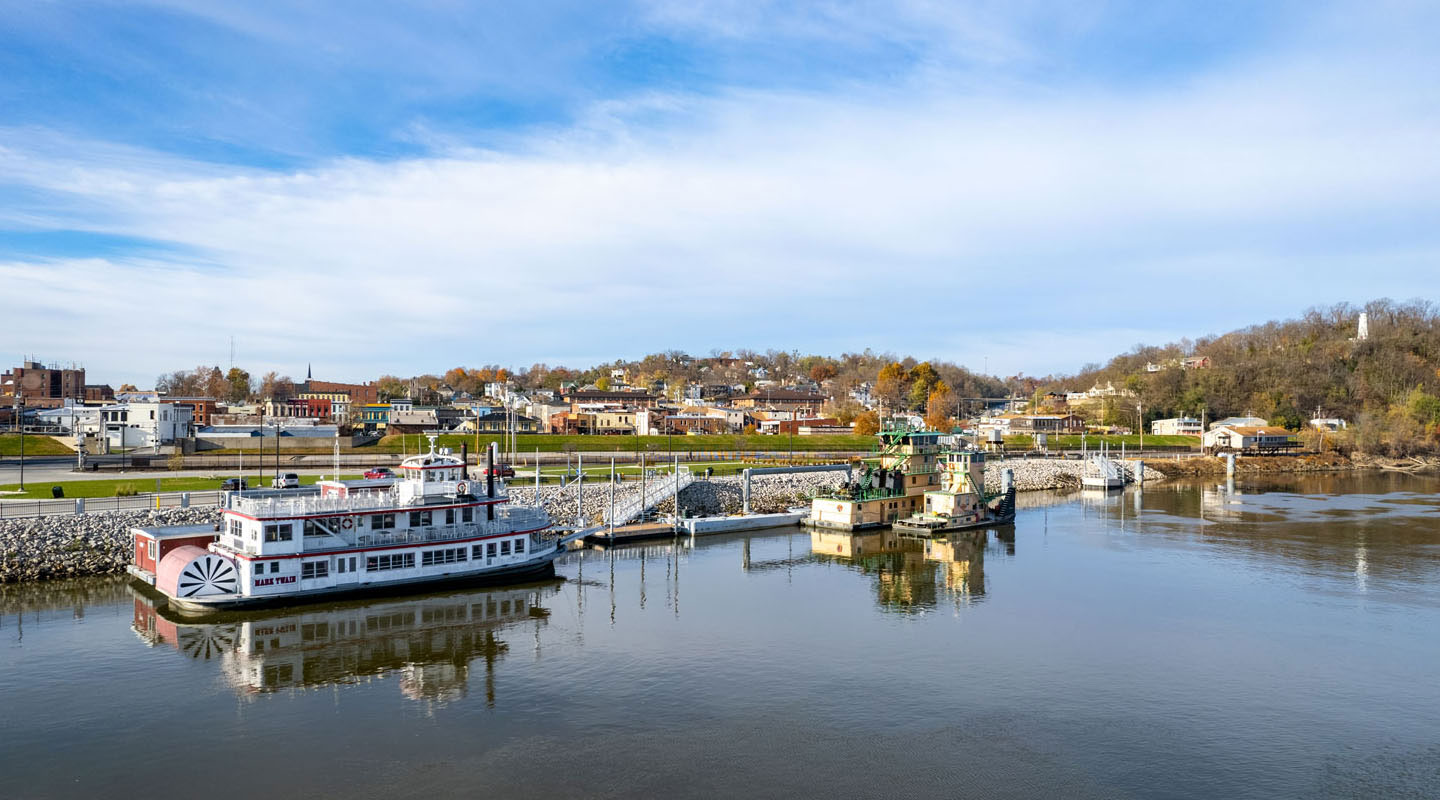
x=535, y=569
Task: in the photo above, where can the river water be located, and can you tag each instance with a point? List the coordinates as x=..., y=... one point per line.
x=1278, y=640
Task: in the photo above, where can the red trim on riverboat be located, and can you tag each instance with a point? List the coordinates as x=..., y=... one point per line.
x=314, y=553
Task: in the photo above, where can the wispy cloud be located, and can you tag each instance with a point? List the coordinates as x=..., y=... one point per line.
x=924, y=214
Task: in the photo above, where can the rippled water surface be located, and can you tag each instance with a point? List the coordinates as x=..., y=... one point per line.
x=1274, y=640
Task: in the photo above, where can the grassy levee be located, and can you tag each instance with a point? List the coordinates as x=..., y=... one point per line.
x=1072, y=441
x=36, y=490
x=556, y=443
x=34, y=446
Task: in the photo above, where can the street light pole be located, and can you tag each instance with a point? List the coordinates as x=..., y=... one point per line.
x=20, y=417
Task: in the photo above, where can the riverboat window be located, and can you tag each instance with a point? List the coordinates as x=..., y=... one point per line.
x=490, y=549
x=477, y=552
x=382, y=521
x=519, y=546
x=430, y=558
x=449, y=516
x=419, y=518
x=339, y=565
x=391, y=561
x=312, y=528
x=505, y=548
x=274, y=567
x=237, y=529
x=278, y=533
x=314, y=569
x=150, y=549
x=467, y=515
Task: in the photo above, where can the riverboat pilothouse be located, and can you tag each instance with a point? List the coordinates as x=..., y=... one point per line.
x=429, y=525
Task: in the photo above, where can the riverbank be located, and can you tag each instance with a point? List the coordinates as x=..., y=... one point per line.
x=83, y=544
x=1269, y=465
x=99, y=543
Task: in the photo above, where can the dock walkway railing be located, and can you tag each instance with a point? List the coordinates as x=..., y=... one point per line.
x=656, y=490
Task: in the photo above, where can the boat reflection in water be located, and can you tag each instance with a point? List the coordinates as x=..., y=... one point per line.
x=429, y=641
x=913, y=574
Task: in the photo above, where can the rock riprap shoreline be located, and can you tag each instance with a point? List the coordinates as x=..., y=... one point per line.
x=99, y=543
x=81, y=544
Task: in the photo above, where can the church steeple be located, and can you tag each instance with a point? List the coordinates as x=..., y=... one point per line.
x=308, y=376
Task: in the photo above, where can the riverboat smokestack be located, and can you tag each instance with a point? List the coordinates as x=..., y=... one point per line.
x=465, y=460
x=490, y=482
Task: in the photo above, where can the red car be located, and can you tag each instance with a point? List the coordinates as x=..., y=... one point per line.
x=501, y=471
x=379, y=472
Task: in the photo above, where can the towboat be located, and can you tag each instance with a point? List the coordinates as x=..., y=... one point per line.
x=429, y=526
x=917, y=485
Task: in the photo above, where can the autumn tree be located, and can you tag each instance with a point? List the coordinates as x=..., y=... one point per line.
x=237, y=385
x=891, y=384
x=867, y=424
x=939, y=407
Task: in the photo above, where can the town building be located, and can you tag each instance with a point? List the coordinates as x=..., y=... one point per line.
x=1177, y=426
x=1043, y=423
x=147, y=424
x=500, y=422
x=1243, y=422
x=1263, y=440
x=374, y=417
x=42, y=386
x=1330, y=424
x=781, y=399
x=582, y=397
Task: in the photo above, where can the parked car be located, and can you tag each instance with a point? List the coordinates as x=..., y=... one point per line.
x=289, y=480
x=233, y=485
x=501, y=471
x=379, y=472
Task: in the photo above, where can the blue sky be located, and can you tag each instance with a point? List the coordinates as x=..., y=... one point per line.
x=377, y=187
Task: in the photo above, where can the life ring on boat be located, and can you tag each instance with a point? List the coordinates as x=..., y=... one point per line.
x=462, y=488
x=347, y=522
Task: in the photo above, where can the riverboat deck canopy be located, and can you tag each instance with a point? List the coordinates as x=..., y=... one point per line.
x=175, y=531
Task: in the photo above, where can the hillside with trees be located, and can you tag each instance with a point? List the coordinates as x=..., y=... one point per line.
x=1387, y=385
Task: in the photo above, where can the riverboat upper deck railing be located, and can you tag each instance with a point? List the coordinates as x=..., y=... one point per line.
x=512, y=519
x=356, y=503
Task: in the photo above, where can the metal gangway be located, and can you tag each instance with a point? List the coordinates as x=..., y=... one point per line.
x=1103, y=472
x=654, y=489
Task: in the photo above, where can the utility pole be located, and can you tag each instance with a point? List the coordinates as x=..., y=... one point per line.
x=1140, y=418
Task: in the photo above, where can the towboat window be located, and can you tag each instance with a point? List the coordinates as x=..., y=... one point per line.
x=505, y=548
x=314, y=569
x=277, y=533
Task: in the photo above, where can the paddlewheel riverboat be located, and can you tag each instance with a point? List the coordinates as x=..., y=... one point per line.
x=430, y=525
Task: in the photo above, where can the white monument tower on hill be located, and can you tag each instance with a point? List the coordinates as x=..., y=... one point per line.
x=1363, y=332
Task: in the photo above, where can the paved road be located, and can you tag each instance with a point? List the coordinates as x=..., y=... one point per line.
x=58, y=469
